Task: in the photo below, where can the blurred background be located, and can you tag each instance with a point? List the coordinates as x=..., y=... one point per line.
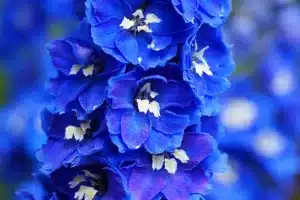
x=260, y=113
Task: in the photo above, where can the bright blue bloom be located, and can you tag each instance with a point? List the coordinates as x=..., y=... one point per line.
x=83, y=72
x=174, y=174
x=90, y=178
x=70, y=138
x=213, y=13
x=150, y=108
x=206, y=62
x=138, y=31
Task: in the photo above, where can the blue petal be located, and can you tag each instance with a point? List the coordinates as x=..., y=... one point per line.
x=168, y=15
x=62, y=56
x=128, y=46
x=55, y=154
x=103, y=10
x=91, y=146
x=173, y=94
x=177, y=187
x=146, y=184
x=105, y=33
x=152, y=58
x=157, y=142
x=117, y=140
x=196, y=82
x=113, y=121
x=93, y=97
x=216, y=85
x=54, y=124
x=170, y=123
x=122, y=91
x=115, y=53
x=69, y=91
x=135, y=129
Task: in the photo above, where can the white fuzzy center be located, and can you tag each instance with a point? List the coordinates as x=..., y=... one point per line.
x=170, y=163
x=283, y=83
x=269, y=143
x=139, y=22
x=200, y=64
x=77, y=132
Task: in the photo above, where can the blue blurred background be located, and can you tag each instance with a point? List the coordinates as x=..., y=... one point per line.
x=260, y=113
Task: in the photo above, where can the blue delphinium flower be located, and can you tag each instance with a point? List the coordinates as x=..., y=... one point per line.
x=173, y=174
x=83, y=72
x=150, y=108
x=71, y=137
x=138, y=32
x=91, y=178
x=207, y=62
x=213, y=13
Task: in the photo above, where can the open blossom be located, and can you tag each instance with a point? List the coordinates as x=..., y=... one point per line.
x=138, y=32
x=150, y=108
x=83, y=72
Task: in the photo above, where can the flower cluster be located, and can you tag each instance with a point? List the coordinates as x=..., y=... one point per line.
x=134, y=108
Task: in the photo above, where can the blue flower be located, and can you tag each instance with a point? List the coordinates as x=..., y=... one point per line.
x=83, y=72
x=150, y=108
x=91, y=178
x=213, y=13
x=206, y=62
x=138, y=32
x=69, y=138
x=174, y=174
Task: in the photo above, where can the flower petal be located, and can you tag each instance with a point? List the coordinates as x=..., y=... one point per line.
x=170, y=123
x=128, y=46
x=145, y=183
x=157, y=142
x=93, y=97
x=177, y=187
x=135, y=129
x=197, y=147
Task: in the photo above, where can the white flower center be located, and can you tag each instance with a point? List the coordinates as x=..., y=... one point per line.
x=144, y=105
x=283, y=83
x=200, y=64
x=77, y=132
x=85, y=192
x=269, y=143
x=170, y=163
x=139, y=22
x=239, y=114
x=87, y=71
